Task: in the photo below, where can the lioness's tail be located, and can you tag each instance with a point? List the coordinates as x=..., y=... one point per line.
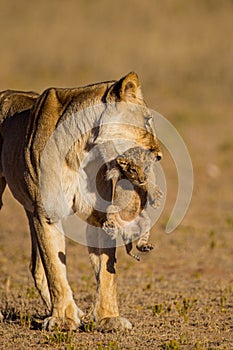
x=12, y=102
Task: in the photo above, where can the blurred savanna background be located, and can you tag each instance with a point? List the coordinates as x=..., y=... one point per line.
x=180, y=295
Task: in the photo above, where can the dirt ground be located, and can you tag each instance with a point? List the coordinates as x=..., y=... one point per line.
x=180, y=296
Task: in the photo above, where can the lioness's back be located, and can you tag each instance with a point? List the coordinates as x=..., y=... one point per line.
x=12, y=102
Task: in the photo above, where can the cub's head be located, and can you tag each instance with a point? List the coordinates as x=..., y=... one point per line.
x=135, y=164
x=133, y=172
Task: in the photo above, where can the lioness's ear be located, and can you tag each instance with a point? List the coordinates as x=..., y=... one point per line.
x=127, y=88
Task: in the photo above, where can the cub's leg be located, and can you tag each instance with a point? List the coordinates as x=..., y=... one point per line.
x=144, y=223
x=36, y=266
x=103, y=260
x=51, y=242
x=143, y=245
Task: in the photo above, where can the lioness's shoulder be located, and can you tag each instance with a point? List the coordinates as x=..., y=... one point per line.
x=12, y=102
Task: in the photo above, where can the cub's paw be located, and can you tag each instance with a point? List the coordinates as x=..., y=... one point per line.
x=110, y=324
x=145, y=247
x=155, y=196
x=112, y=228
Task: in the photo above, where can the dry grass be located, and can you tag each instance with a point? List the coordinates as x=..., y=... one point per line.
x=180, y=296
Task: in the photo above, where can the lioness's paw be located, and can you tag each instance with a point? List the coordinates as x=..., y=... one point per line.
x=70, y=322
x=51, y=323
x=1, y=317
x=145, y=247
x=109, y=324
x=80, y=313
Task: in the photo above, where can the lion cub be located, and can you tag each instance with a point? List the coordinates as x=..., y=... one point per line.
x=131, y=193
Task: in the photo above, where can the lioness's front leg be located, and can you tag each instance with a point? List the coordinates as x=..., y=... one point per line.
x=103, y=260
x=64, y=312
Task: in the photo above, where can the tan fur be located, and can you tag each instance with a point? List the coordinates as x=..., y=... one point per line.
x=130, y=198
x=28, y=121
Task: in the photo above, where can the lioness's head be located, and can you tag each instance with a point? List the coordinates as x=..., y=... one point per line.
x=126, y=120
x=126, y=131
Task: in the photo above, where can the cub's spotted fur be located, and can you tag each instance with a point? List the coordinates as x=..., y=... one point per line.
x=129, y=199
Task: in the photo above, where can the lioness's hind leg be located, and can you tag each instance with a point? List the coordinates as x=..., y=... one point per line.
x=2, y=188
x=36, y=266
x=51, y=242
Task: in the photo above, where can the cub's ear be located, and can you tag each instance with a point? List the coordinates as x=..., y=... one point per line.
x=122, y=163
x=127, y=88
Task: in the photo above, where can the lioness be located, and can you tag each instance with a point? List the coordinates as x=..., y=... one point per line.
x=48, y=185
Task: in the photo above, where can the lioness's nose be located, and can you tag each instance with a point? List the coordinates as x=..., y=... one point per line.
x=159, y=156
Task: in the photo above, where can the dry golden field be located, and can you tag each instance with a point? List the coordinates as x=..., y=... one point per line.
x=180, y=296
